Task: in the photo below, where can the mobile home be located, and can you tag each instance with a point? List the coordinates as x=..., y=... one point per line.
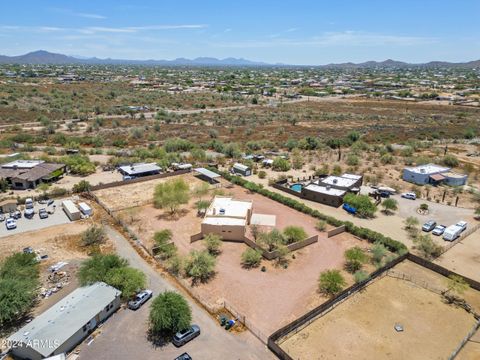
x=71, y=210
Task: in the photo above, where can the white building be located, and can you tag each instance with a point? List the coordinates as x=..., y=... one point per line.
x=433, y=174
x=59, y=329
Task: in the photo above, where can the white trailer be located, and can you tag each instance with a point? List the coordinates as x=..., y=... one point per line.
x=71, y=210
x=452, y=232
x=85, y=209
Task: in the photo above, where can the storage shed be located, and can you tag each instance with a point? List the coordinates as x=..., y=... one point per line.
x=71, y=210
x=241, y=169
x=85, y=209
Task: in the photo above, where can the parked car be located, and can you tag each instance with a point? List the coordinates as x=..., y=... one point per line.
x=28, y=250
x=409, y=195
x=28, y=213
x=184, y=336
x=42, y=213
x=184, y=356
x=28, y=203
x=429, y=225
x=462, y=224
x=384, y=194
x=439, y=230
x=11, y=224
x=50, y=202
x=16, y=214
x=140, y=299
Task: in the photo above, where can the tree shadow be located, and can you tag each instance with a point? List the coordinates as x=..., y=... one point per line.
x=159, y=340
x=168, y=216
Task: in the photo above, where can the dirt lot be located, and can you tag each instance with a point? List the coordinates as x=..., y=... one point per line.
x=137, y=194
x=363, y=326
x=464, y=258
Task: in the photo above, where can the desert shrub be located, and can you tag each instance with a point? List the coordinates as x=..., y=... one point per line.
x=251, y=258
x=378, y=253
x=280, y=164
x=200, y=266
x=213, y=244
x=94, y=235
x=163, y=243
x=262, y=174
x=294, y=234
x=389, y=205
x=82, y=186
x=321, y=225
x=427, y=247
x=450, y=161
x=78, y=164
x=354, y=259
x=331, y=282
x=360, y=275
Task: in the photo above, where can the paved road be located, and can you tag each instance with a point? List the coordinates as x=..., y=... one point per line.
x=124, y=335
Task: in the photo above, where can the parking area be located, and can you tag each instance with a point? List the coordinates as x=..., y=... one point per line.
x=56, y=216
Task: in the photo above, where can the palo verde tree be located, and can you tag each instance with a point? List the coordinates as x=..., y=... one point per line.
x=171, y=194
x=354, y=259
x=169, y=313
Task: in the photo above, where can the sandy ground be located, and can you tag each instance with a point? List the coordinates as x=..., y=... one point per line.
x=464, y=258
x=471, y=350
x=99, y=177
x=137, y=194
x=263, y=297
x=363, y=326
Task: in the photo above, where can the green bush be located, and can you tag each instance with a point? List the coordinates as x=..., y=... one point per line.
x=200, y=266
x=331, y=282
x=355, y=258
x=213, y=244
x=360, y=275
x=94, y=235
x=79, y=165
x=280, y=164
x=82, y=186
x=251, y=258
x=293, y=234
x=364, y=205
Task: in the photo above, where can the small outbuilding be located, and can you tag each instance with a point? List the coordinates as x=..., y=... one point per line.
x=140, y=169
x=85, y=209
x=433, y=174
x=241, y=169
x=8, y=205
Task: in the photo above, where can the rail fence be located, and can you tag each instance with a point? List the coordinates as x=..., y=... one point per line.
x=464, y=341
x=260, y=335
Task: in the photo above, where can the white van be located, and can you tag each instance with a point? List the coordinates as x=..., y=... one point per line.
x=28, y=203
x=452, y=232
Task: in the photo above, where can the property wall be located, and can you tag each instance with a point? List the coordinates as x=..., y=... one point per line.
x=137, y=180
x=227, y=232
x=326, y=199
x=336, y=231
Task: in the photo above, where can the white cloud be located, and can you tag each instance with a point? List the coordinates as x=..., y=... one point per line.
x=344, y=38
x=90, y=16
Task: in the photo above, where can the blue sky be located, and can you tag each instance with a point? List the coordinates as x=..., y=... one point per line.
x=292, y=32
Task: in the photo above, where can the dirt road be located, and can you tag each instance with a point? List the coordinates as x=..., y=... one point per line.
x=124, y=336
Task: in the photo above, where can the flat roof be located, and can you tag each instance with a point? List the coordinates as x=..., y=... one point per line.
x=224, y=220
x=22, y=164
x=324, y=190
x=207, y=173
x=228, y=207
x=140, y=168
x=428, y=169
x=455, y=175
x=65, y=318
x=352, y=176
x=338, y=181
x=240, y=166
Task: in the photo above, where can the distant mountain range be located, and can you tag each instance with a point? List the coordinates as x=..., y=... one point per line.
x=45, y=57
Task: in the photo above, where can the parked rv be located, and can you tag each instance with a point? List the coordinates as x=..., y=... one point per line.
x=452, y=232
